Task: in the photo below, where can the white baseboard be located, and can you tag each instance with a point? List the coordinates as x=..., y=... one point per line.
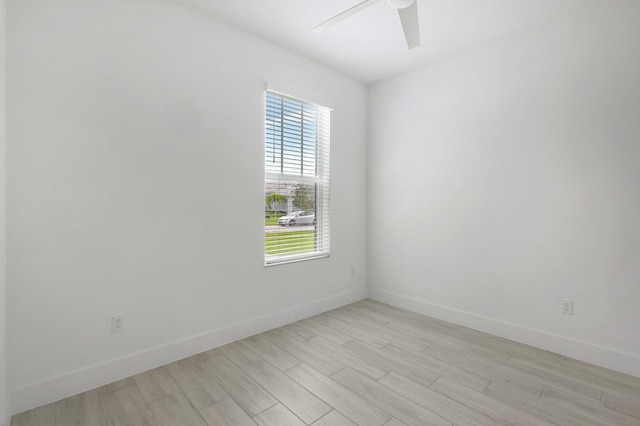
x=84, y=379
x=588, y=352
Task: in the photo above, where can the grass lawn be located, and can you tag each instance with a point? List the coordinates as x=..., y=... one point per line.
x=271, y=220
x=289, y=242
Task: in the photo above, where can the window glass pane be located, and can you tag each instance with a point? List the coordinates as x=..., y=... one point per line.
x=296, y=179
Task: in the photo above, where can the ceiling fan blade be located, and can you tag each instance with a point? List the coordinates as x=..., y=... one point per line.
x=332, y=21
x=410, y=25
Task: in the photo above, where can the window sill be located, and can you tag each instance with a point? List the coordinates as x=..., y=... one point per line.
x=293, y=259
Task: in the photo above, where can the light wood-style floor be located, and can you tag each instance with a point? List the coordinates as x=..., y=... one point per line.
x=365, y=364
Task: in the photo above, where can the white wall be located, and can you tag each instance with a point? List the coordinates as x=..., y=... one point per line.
x=135, y=125
x=4, y=409
x=504, y=178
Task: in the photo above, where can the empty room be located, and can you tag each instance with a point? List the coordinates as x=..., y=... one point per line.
x=319, y=212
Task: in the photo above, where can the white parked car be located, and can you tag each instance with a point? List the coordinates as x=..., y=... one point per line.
x=298, y=218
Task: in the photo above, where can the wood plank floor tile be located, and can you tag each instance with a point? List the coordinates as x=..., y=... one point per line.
x=197, y=383
x=156, y=384
x=226, y=413
x=576, y=397
x=295, y=397
x=299, y=331
x=304, y=352
x=334, y=418
x=392, y=362
x=440, y=404
x=245, y=391
x=205, y=355
x=622, y=404
x=353, y=406
x=351, y=329
x=586, y=379
x=347, y=357
x=575, y=403
x=41, y=416
x=529, y=352
x=126, y=407
x=491, y=370
x=515, y=397
x=486, y=341
x=431, y=337
x=339, y=315
x=394, y=422
x=549, y=376
x=406, y=316
x=175, y=409
x=610, y=376
x=498, y=411
x=401, y=408
x=460, y=375
x=80, y=410
x=397, y=339
x=328, y=333
x=278, y=415
x=115, y=386
x=277, y=357
x=362, y=313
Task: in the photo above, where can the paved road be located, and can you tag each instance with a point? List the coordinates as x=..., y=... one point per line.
x=278, y=228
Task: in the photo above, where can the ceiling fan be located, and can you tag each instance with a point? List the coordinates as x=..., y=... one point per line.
x=407, y=10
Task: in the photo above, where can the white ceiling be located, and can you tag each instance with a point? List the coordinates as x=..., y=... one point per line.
x=370, y=45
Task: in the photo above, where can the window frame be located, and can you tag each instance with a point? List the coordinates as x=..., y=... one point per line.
x=320, y=179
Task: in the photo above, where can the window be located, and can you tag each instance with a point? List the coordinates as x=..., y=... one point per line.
x=296, y=179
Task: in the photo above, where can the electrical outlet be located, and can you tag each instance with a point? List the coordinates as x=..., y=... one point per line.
x=353, y=271
x=117, y=323
x=566, y=306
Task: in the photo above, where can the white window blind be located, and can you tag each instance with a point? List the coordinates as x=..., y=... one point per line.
x=297, y=179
